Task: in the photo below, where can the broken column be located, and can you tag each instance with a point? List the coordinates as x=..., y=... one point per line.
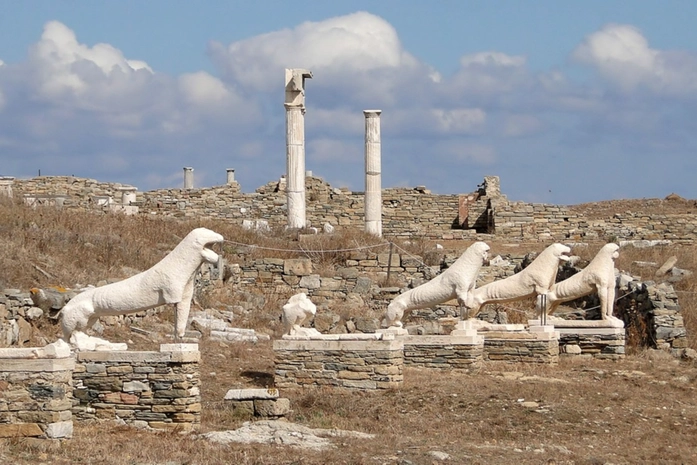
x=128, y=195
x=295, y=145
x=188, y=177
x=6, y=186
x=373, y=189
x=230, y=176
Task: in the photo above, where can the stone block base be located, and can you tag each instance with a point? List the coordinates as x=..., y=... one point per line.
x=527, y=347
x=36, y=394
x=443, y=351
x=589, y=338
x=264, y=403
x=160, y=390
x=359, y=364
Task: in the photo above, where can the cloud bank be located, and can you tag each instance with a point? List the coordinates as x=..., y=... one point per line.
x=625, y=129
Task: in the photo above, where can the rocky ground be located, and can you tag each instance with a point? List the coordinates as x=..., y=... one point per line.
x=638, y=410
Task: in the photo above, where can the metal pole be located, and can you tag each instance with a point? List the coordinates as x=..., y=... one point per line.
x=543, y=309
x=389, y=263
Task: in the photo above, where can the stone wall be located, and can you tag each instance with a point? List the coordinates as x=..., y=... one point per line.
x=652, y=316
x=159, y=390
x=16, y=312
x=353, y=364
x=521, y=347
x=406, y=211
x=600, y=343
x=36, y=394
x=442, y=352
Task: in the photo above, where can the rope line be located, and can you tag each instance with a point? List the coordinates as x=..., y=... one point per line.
x=410, y=255
x=507, y=308
x=306, y=251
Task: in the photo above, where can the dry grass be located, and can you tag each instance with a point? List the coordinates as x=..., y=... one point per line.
x=638, y=410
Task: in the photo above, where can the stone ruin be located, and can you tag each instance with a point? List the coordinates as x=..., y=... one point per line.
x=161, y=390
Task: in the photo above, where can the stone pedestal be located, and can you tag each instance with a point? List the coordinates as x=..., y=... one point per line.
x=473, y=325
x=354, y=364
x=588, y=338
x=36, y=393
x=159, y=390
x=463, y=352
x=396, y=332
x=527, y=347
x=265, y=403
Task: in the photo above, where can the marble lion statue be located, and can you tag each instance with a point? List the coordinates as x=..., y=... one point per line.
x=297, y=311
x=536, y=279
x=457, y=281
x=598, y=276
x=170, y=281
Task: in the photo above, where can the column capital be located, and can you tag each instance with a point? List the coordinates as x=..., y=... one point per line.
x=372, y=113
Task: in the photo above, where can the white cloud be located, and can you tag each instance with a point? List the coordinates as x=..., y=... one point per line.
x=492, y=59
x=459, y=120
x=335, y=121
x=622, y=55
x=62, y=63
x=490, y=73
x=325, y=150
x=517, y=125
x=203, y=89
x=458, y=151
x=354, y=43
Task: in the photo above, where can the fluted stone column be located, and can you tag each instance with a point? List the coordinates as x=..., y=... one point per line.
x=373, y=188
x=188, y=178
x=230, y=176
x=295, y=145
x=295, y=165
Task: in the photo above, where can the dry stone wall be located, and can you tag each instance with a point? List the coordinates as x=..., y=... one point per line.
x=405, y=211
x=160, y=390
x=36, y=397
x=442, y=352
x=348, y=364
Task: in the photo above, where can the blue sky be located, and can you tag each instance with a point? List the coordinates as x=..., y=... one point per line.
x=567, y=102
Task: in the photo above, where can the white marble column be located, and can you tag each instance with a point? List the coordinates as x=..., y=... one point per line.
x=373, y=181
x=295, y=165
x=295, y=145
x=188, y=178
x=230, y=176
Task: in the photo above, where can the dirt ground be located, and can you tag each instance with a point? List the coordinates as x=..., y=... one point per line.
x=638, y=410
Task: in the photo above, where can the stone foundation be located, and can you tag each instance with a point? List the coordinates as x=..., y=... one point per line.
x=160, y=390
x=588, y=338
x=36, y=394
x=354, y=364
x=522, y=346
x=264, y=403
x=443, y=351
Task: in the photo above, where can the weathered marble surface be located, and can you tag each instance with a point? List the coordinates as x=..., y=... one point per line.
x=170, y=281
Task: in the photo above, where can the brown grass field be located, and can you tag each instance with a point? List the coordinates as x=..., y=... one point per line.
x=642, y=409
